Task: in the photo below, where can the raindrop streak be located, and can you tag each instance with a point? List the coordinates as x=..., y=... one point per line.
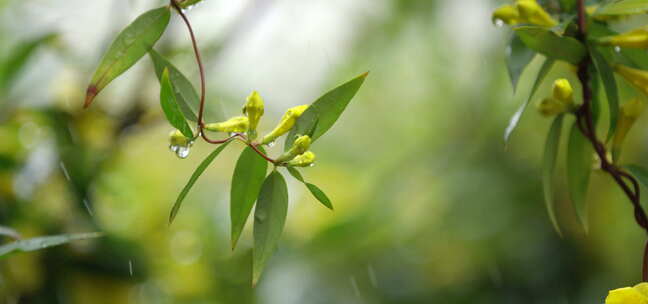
x=87, y=205
x=499, y=22
x=130, y=267
x=183, y=152
x=354, y=283
x=372, y=276
x=65, y=171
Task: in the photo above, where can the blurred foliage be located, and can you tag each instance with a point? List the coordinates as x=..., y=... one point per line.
x=429, y=206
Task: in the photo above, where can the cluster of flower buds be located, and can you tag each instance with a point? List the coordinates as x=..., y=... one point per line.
x=298, y=155
x=285, y=124
x=637, y=39
x=523, y=12
x=561, y=101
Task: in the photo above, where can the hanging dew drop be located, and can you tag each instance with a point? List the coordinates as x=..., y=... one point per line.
x=183, y=152
x=174, y=148
x=617, y=49
x=499, y=22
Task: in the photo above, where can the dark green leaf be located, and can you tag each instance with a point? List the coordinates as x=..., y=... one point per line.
x=623, y=7
x=548, y=167
x=325, y=111
x=609, y=83
x=640, y=173
x=567, y=6
x=544, y=70
x=18, y=58
x=550, y=44
x=45, y=242
x=316, y=191
x=269, y=220
x=170, y=106
x=129, y=46
x=185, y=93
x=194, y=177
x=518, y=56
x=246, y=183
x=579, y=164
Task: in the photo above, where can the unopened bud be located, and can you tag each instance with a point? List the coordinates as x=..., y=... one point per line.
x=301, y=145
x=637, y=38
x=551, y=107
x=630, y=111
x=254, y=109
x=287, y=122
x=638, y=78
x=303, y=160
x=531, y=12
x=177, y=139
x=237, y=124
x=508, y=14
x=562, y=90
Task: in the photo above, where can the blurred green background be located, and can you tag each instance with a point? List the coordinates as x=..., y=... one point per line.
x=431, y=207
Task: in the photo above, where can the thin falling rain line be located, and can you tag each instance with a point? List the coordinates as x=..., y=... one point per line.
x=372, y=276
x=354, y=283
x=130, y=267
x=64, y=169
x=86, y=203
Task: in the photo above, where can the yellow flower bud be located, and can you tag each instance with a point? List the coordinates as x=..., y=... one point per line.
x=177, y=139
x=638, y=78
x=303, y=160
x=630, y=111
x=629, y=295
x=562, y=90
x=254, y=109
x=301, y=145
x=637, y=38
x=287, y=122
x=531, y=12
x=551, y=107
x=508, y=14
x=237, y=124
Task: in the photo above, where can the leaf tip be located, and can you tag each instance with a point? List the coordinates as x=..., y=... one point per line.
x=91, y=93
x=365, y=74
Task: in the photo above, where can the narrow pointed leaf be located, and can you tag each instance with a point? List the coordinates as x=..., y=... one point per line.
x=544, y=70
x=623, y=7
x=19, y=57
x=548, y=168
x=325, y=111
x=518, y=57
x=551, y=44
x=6, y=231
x=611, y=91
x=314, y=190
x=170, y=106
x=194, y=177
x=579, y=164
x=38, y=243
x=640, y=173
x=248, y=177
x=128, y=48
x=269, y=220
x=188, y=3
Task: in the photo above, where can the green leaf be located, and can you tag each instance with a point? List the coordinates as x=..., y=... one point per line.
x=611, y=91
x=188, y=3
x=128, y=48
x=269, y=220
x=185, y=93
x=623, y=7
x=38, y=243
x=579, y=164
x=548, y=168
x=515, y=119
x=640, y=173
x=314, y=190
x=248, y=177
x=170, y=106
x=518, y=57
x=194, y=177
x=13, y=64
x=550, y=44
x=567, y=6
x=325, y=111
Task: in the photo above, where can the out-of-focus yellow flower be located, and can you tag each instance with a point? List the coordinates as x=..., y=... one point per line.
x=630, y=111
x=531, y=12
x=301, y=145
x=629, y=295
x=177, y=139
x=254, y=109
x=638, y=78
x=286, y=123
x=507, y=13
x=551, y=107
x=637, y=38
x=238, y=124
x=303, y=160
x=562, y=90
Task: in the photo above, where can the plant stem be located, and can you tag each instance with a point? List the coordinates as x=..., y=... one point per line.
x=586, y=125
x=201, y=109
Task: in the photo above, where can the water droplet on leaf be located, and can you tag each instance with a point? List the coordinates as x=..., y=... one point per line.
x=183, y=152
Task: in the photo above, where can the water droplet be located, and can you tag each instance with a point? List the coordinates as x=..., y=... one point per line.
x=183, y=152
x=174, y=148
x=617, y=49
x=271, y=144
x=499, y=22
x=231, y=134
x=311, y=165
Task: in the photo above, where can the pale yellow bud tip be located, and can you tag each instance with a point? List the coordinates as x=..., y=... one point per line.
x=562, y=90
x=508, y=14
x=303, y=160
